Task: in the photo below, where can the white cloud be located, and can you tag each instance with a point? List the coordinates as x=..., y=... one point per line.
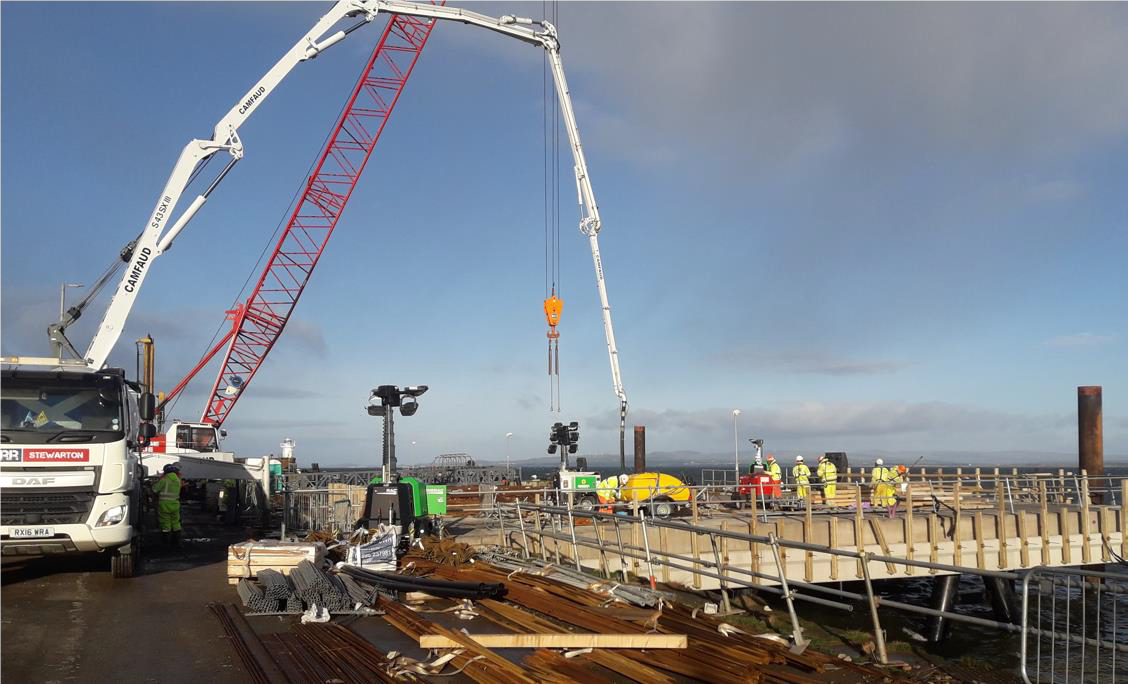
x=807, y=363
x=1083, y=339
x=774, y=85
x=867, y=424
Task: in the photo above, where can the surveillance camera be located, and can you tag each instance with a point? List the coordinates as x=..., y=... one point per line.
x=757, y=442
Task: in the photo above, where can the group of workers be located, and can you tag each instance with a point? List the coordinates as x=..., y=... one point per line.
x=884, y=480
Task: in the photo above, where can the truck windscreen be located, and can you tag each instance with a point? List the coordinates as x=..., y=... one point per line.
x=46, y=409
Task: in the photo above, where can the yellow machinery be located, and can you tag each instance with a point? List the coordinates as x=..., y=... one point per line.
x=659, y=491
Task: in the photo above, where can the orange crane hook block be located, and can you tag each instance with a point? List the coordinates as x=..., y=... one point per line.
x=552, y=308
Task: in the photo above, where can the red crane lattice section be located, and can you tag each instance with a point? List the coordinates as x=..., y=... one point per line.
x=259, y=321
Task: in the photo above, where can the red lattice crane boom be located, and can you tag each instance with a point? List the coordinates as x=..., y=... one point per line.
x=258, y=322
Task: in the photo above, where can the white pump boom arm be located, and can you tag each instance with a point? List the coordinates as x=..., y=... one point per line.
x=155, y=240
x=589, y=211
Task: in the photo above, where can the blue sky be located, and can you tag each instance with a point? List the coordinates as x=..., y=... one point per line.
x=897, y=227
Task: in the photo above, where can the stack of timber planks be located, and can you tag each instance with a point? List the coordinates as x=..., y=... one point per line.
x=246, y=559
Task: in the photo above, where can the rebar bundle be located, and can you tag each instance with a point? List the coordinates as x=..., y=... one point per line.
x=254, y=598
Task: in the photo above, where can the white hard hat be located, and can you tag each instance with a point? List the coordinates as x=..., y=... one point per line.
x=798, y=459
x=880, y=461
x=623, y=478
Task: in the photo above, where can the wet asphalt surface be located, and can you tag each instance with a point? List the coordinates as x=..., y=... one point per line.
x=66, y=619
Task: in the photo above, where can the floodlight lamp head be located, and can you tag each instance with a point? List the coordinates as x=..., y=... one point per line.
x=415, y=390
x=376, y=410
x=757, y=442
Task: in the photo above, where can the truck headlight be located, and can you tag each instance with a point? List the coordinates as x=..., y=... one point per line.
x=112, y=516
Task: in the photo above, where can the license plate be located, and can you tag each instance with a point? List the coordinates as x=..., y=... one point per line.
x=32, y=532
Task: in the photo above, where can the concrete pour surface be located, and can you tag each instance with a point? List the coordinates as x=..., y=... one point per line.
x=66, y=619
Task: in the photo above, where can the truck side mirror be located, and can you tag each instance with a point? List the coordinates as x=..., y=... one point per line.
x=147, y=406
x=148, y=430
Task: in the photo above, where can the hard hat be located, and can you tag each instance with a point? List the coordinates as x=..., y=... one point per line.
x=624, y=478
x=171, y=468
x=771, y=457
x=879, y=461
x=822, y=458
x=798, y=459
x=902, y=469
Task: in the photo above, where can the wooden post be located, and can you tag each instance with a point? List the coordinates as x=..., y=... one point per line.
x=664, y=541
x=934, y=541
x=635, y=532
x=957, y=548
x=1001, y=524
x=694, y=541
x=1061, y=485
x=977, y=533
x=1063, y=528
x=909, y=532
x=832, y=537
x=809, y=562
x=1124, y=518
x=602, y=551
x=978, y=478
x=1043, y=519
x=859, y=533
x=1086, y=524
x=1103, y=525
x=1024, y=549
x=753, y=549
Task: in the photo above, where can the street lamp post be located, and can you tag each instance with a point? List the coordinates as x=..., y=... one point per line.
x=736, y=443
x=508, y=437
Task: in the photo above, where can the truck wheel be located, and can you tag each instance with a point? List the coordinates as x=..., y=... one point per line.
x=587, y=503
x=122, y=565
x=663, y=507
x=737, y=501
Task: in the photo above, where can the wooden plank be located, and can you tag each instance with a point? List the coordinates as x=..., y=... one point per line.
x=563, y=640
x=664, y=543
x=879, y=535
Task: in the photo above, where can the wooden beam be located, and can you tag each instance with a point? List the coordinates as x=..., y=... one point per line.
x=563, y=640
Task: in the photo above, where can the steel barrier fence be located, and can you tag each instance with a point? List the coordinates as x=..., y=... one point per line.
x=548, y=522
x=1078, y=621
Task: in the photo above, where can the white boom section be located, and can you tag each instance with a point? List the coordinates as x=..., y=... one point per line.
x=590, y=222
x=155, y=240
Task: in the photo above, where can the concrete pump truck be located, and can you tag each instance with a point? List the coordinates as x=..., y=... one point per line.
x=76, y=434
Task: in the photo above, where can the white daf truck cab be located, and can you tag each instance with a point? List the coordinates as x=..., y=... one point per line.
x=70, y=470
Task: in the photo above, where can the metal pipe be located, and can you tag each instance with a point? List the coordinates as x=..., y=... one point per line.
x=1090, y=433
